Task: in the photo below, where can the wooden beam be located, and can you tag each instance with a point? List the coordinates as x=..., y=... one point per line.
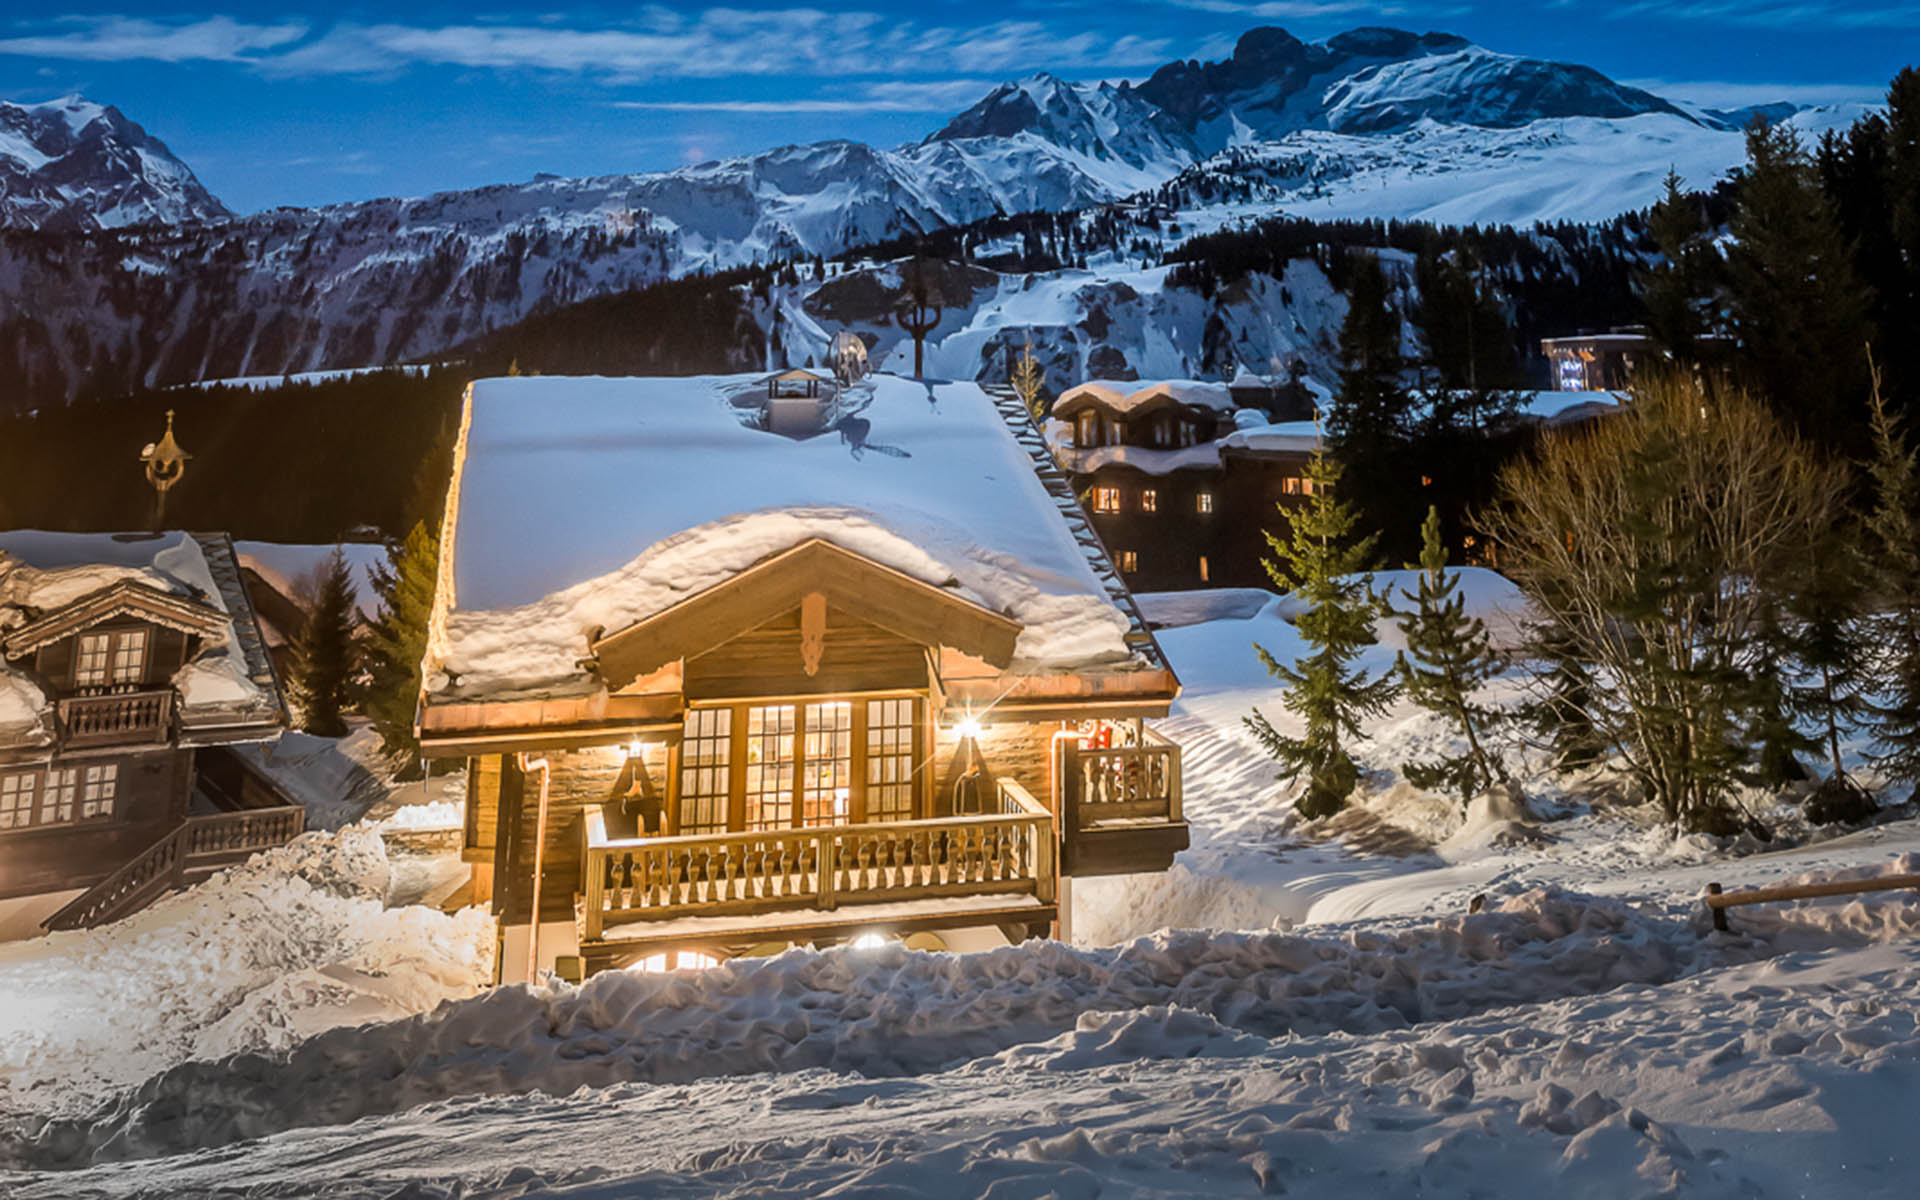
x=890, y=599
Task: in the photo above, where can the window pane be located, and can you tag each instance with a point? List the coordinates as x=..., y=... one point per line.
x=90, y=668
x=890, y=726
x=769, y=751
x=96, y=795
x=129, y=656
x=16, y=801
x=56, y=801
x=825, y=796
x=705, y=755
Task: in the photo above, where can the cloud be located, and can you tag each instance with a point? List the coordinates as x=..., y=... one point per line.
x=1779, y=14
x=1727, y=94
x=803, y=43
x=119, y=38
x=941, y=96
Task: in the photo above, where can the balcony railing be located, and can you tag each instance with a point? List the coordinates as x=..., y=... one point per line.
x=1121, y=784
x=196, y=844
x=121, y=718
x=826, y=868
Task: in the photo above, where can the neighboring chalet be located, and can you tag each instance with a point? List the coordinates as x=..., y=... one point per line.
x=1179, y=478
x=722, y=691
x=129, y=664
x=1594, y=362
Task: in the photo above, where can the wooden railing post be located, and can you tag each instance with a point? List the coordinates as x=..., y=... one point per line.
x=593, y=862
x=826, y=857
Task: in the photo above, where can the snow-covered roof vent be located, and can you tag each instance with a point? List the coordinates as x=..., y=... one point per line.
x=583, y=506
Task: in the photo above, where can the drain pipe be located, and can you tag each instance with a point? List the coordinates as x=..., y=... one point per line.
x=539, y=861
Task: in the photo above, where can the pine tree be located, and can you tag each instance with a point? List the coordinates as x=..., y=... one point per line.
x=1448, y=657
x=1798, y=307
x=1893, y=539
x=1678, y=290
x=1027, y=379
x=1769, y=720
x=1326, y=567
x=325, y=655
x=1370, y=423
x=397, y=642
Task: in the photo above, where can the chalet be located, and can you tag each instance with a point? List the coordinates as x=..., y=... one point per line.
x=1179, y=481
x=130, y=665
x=721, y=691
x=1594, y=362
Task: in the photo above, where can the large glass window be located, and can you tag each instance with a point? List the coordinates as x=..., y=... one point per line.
x=705, y=770
x=58, y=795
x=117, y=657
x=826, y=794
x=769, y=755
x=130, y=656
x=890, y=759
x=16, y=799
x=1106, y=499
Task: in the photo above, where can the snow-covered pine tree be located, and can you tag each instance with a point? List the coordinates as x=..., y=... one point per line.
x=397, y=641
x=1447, y=659
x=1830, y=647
x=1326, y=566
x=1893, y=549
x=325, y=658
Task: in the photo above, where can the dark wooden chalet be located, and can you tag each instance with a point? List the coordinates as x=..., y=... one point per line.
x=128, y=664
x=1180, y=492
x=721, y=692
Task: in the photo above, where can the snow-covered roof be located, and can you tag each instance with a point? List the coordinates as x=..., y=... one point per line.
x=228, y=684
x=1299, y=437
x=1127, y=396
x=584, y=505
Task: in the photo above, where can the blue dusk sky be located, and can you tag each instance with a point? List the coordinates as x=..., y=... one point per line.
x=278, y=102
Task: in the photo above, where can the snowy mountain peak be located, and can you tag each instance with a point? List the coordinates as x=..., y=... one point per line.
x=74, y=164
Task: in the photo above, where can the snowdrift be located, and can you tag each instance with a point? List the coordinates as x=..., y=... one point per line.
x=892, y=1012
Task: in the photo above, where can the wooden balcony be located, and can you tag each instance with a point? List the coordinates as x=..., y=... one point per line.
x=117, y=719
x=1120, y=806
x=995, y=868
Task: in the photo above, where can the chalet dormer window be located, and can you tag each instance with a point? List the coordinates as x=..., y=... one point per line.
x=1106, y=499
x=116, y=658
x=1203, y=502
x=1088, y=429
x=1163, y=430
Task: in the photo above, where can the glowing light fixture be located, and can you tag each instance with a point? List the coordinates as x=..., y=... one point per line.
x=870, y=941
x=967, y=727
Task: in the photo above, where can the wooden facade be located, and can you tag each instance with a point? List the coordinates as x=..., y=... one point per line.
x=100, y=797
x=817, y=748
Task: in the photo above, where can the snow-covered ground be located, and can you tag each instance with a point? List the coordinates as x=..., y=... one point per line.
x=1586, y=1035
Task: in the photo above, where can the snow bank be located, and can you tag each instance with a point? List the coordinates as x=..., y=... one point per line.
x=295, y=941
x=887, y=1011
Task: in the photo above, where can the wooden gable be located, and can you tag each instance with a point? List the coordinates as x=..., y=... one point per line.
x=124, y=599
x=801, y=653
x=860, y=588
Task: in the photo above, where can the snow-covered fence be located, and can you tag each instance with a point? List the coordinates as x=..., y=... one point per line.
x=1718, y=901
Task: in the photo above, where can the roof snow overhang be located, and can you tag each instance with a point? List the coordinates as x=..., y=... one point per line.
x=890, y=599
x=123, y=598
x=1150, y=399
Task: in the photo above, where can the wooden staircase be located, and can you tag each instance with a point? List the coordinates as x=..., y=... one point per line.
x=193, y=850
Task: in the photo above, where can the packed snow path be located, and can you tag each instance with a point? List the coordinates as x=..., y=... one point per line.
x=1787, y=1078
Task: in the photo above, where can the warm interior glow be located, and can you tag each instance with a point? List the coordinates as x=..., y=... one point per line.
x=870, y=941
x=967, y=728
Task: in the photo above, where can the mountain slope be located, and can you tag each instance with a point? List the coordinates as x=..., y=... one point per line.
x=71, y=164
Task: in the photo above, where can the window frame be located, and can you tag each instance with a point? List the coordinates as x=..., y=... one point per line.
x=1106, y=498
x=1128, y=561
x=1149, y=500
x=59, y=797
x=1203, y=502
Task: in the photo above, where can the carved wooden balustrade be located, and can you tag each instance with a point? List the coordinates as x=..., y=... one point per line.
x=196, y=845
x=117, y=718
x=1120, y=783
x=824, y=868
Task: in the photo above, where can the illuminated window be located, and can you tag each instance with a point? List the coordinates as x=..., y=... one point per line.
x=1203, y=502
x=1291, y=485
x=770, y=746
x=90, y=669
x=826, y=792
x=1106, y=499
x=1129, y=561
x=704, y=778
x=1206, y=576
x=890, y=758
x=130, y=656
x=116, y=658
x=1426, y=481
x=1149, y=500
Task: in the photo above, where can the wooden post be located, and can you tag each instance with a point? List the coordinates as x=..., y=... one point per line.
x=1719, y=913
x=1175, y=801
x=824, y=857
x=595, y=869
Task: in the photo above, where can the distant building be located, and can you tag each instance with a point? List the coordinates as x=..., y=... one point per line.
x=130, y=666
x=1594, y=362
x=1179, y=483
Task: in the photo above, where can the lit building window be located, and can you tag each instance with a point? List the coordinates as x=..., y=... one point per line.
x=1149, y=500
x=1129, y=561
x=1203, y=502
x=1106, y=499
x=1206, y=576
x=1291, y=485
